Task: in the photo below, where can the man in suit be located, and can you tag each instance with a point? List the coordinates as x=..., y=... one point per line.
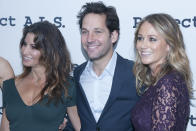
x=105, y=83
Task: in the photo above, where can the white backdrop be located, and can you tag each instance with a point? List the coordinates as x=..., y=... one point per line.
x=14, y=14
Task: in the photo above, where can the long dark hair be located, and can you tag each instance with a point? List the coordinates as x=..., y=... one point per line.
x=55, y=58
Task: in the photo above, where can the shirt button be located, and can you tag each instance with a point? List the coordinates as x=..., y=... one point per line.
x=97, y=128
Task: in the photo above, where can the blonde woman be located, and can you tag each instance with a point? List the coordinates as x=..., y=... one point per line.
x=163, y=76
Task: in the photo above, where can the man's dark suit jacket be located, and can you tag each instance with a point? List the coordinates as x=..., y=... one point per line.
x=116, y=115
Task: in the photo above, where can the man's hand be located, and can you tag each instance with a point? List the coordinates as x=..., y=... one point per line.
x=63, y=125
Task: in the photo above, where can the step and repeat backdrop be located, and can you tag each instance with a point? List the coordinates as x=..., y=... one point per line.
x=15, y=14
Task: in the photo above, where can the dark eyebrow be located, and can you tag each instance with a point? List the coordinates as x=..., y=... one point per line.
x=83, y=29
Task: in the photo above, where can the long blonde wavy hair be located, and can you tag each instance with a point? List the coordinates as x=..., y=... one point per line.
x=177, y=58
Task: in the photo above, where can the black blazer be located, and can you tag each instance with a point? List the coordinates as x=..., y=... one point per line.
x=116, y=115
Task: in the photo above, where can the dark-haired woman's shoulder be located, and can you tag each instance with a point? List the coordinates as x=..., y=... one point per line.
x=71, y=88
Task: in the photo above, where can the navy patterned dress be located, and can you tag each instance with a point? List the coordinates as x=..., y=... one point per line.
x=163, y=107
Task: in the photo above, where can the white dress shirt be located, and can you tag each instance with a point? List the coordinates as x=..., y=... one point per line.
x=97, y=88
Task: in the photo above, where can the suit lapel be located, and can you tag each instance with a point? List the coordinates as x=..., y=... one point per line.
x=115, y=86
x=78, y=74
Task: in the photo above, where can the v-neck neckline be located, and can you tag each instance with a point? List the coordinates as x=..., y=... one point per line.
x=18, y=94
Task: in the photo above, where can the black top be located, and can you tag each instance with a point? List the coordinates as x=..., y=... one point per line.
x=39, y=116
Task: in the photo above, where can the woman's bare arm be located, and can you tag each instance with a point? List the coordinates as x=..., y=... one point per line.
x=6, y=71
x=4, y=122
x=73, y=115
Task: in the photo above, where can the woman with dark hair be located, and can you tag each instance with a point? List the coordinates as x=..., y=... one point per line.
x=37, y=99
x=163, y=76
